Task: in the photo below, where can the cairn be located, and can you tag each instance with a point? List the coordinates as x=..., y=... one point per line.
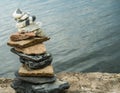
x=36, y=74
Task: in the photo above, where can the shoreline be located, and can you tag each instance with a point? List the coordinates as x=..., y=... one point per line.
x=80, y=82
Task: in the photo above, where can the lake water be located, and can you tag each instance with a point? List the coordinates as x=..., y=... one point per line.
x=85, y=34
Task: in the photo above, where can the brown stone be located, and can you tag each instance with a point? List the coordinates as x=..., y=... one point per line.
x=35, y=49
x=27, y=43
x=22, y=36
x=47, y=71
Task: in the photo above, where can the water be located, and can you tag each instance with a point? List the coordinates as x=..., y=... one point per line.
x=85, y=34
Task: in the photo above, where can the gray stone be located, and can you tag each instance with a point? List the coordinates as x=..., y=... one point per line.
x=36, y=65
x=56, y=87
x=25, y=87
x=32, y=57
x=34, y=61
x=18, y=11
x=36, y=80
x=21, y=86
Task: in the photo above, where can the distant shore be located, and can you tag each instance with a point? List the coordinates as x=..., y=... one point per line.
x=80, y=83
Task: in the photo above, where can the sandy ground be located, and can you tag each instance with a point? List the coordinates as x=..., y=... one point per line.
x=5, y=86
x=80, y=83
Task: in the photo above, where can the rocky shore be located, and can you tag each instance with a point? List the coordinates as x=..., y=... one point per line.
x=80, y=83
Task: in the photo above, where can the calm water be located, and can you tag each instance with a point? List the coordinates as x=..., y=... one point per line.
x=85, y=34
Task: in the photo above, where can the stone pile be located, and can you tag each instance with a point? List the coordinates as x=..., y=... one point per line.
x=36, y=74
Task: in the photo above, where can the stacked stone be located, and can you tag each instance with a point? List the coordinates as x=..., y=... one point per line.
x=36, y=74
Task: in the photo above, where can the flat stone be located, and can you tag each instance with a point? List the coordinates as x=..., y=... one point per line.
x=27, y=43
x=35, y=49
x=33, y=57
x=46, y=71
x=36, y=65
x=25, y=87
x=36, y=80
x=22, y=36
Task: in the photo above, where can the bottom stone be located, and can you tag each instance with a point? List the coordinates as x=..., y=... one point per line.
x=25, y=87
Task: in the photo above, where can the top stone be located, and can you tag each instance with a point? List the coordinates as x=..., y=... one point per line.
x=27, y=27
x=24, y=21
